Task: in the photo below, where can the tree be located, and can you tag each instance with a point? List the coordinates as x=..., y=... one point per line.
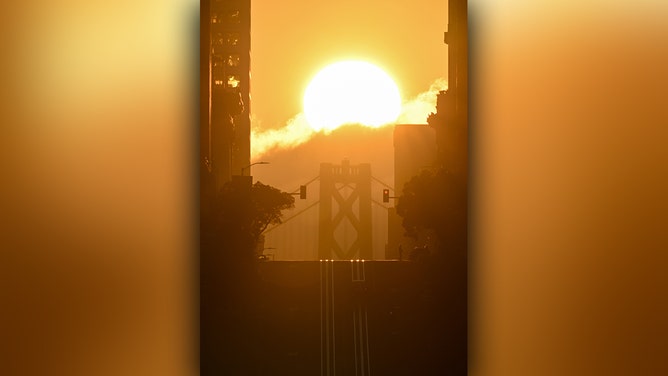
x=231, y=223
x=267, y=205
x=242, y=212
x=437, y=201
x=431, y=201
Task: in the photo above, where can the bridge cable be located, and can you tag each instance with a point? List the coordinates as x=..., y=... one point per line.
x=292, y=216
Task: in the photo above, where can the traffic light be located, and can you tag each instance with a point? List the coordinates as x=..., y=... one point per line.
x=386, y=195
x=302, y=192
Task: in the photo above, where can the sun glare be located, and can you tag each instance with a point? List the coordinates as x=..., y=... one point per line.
x=351, y=92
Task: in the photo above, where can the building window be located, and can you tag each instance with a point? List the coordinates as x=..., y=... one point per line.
x=232, y=60
x=226, y=39
x=233, y=17
x=218, y=70
x=231, y=39
x=232, y=81
x=219, y=39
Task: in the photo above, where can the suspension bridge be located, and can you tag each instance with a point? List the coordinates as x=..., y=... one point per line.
x=344, y=222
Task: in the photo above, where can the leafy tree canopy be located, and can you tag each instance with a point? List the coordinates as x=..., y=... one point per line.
x=430, y=201
x=267, y=205
x=245, y=210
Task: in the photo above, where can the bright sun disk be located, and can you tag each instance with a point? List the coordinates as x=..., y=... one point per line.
x=351, y=92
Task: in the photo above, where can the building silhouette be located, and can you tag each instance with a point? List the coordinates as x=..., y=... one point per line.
x=224, y=131
x=451, y=118
x=225, y=90
x=414, y=151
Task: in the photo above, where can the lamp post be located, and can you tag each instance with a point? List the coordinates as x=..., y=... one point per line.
x=264, y=256
x=252, y=164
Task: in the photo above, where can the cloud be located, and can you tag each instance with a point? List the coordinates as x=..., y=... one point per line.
x=298, y=131
x=416, y=110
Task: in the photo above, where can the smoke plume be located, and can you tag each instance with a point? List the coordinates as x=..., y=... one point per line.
x=297, y=130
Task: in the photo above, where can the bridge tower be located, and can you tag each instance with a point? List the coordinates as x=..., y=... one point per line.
x=345, y=194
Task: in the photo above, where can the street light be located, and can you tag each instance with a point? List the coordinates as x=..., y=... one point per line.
x=252, y=164
x=263, y=256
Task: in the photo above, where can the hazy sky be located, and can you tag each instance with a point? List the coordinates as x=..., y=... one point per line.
x=293, y=39
x=568, y=206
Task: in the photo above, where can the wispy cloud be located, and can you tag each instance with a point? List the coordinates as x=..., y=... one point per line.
x=297, y=130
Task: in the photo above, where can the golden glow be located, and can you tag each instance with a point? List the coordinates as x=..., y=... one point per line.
x=297, y=130
x=351, y=92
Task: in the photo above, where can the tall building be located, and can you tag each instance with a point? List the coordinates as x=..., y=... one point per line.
x=225, y=91
x=451, y=118
x=414, y=151
x=451, y=125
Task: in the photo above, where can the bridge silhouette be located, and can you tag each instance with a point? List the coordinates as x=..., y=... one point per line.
x=343, y=210
x=312, y=205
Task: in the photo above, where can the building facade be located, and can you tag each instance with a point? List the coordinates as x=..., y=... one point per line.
x=225, y=101
x=414, y=151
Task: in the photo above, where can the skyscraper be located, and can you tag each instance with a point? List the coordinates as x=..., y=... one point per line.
x=414, y=151
x=225, y=44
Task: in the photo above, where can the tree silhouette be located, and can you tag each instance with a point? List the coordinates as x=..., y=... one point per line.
x=231, y=223
x=430, y=201
x=242, y=212
x=267, y=203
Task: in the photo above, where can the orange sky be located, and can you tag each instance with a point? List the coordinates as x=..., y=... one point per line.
x=293, y=39
x=568, y=177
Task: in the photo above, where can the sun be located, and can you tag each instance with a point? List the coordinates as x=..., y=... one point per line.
x=351, y=92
